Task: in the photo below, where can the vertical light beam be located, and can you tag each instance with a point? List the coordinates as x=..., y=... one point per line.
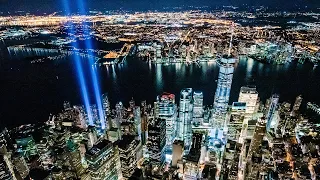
x=79, y=69
x=93, y=72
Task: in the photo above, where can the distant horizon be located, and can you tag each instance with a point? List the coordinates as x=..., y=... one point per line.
x=50, y=6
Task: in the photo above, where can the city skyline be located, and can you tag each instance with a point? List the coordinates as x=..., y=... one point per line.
x=205, y=91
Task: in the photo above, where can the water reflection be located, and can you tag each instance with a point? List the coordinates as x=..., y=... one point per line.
x=158, y=82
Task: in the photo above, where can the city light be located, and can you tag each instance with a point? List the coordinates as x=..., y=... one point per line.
x=94, y=73
x=224, y=93
x=79, y=69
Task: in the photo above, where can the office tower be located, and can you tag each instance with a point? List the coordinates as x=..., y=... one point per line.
x=221, y=98
x=197, y=104
x=167, y=110
x=132, y=104
x=137, y=121
x=119, y=114
x=103, y=161
x=106, y=106
x=258, y=135
x=236, y=123
x=80, y=120
x=249, y=95
x=20, y=165
x=282, y=115
x=209, y=171
x=254, y=149
x=177, y=152
x=74, y=158
x=92, y=136
x=185, y=117
x=6, y=168
x=128, y=148
x=113, y=134
x=230, y=161
x=156, y=141
x=144, y=128
x=270, y=111
x=196, y=142
x=192, y=159
x=296, y=105
x=5, y=139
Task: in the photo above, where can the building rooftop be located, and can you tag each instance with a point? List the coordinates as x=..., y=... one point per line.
x=126, y=141
x=97, y=149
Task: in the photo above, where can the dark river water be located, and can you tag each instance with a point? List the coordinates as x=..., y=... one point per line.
x=30, y=92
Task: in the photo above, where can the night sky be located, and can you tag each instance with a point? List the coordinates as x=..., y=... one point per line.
x=56, y=5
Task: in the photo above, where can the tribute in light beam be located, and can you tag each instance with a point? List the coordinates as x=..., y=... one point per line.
x=79, y=69
x=93, y=72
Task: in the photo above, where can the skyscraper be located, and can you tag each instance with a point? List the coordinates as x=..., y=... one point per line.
x=296, y=105
x=177, y=152
x=119, y=114
x=270, y=110
x=167, y=110
x=106, y=105
x=221, y=98
x=197, y=104
x=74, y=158
x=249, y=95
x=103, y=160
x=254, y=148
x=127, y=150
x=6, y=167
x=137, y=120
x=157, y=141
x=185, y=117
x=20, y=165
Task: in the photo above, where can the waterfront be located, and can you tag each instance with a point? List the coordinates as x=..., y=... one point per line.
x=36, y=90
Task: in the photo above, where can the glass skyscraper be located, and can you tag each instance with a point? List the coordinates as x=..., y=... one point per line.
x=270, y=110
x=167, y=110
x=185, y=117
x=221, y=98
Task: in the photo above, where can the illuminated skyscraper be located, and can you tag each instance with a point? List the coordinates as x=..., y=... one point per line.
x=235, y=122
x=20, y=165
x=128, y=147
x=119, y=114
x=92, y=136
x=221, y=98
x=177, y=152
x=157, y=141
x=103, y=160
x=185, y=117
x=254, y=149
x=6, y=167
x=106, y=106
x=296, y=105
x=137, y=120
x=270, y=110
x=197, y=104
x=167, y=110
x=74, y=158
x=249, y=95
